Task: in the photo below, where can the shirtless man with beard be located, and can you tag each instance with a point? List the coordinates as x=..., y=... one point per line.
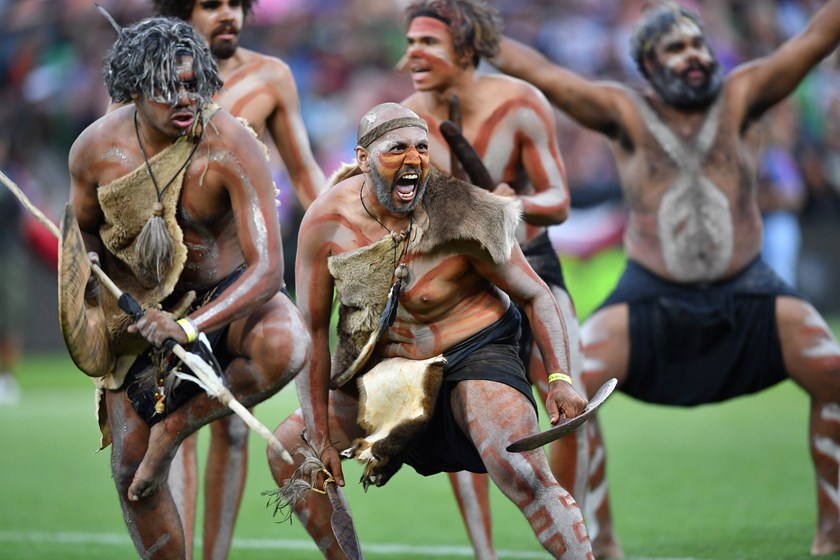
x=174, y=196
x=451, y=247
x=512, y=128
x=260, y=89
x=697, y=316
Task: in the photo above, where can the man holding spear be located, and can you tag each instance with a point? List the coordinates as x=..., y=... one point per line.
x=174, y=198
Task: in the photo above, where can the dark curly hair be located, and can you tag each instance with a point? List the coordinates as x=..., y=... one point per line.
x=143, y=60
x=182, y=9
x=472, y=24
x=652, y=25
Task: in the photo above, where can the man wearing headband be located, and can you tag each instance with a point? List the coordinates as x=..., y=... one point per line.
x=425, y=269
x=174, y=197
x=513, y=132
x=697, y=316
x=261, y=90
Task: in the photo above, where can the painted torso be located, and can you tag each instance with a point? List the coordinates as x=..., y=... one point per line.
x=498, y=114
x=689, y=186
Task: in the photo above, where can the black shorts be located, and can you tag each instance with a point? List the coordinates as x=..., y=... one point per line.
x=544, y=260
x=701, y=343
x=489, y=355
x=139, y=382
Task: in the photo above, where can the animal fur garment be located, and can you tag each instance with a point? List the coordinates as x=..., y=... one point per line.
x=457, y=211
x=396, y=401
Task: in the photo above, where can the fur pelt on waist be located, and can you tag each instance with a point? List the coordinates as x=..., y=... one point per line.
x=457, y=211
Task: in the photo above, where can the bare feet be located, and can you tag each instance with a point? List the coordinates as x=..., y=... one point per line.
x=823, y=546
x=154, y=468
x=606, y=545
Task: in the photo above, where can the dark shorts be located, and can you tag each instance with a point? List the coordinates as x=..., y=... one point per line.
x=139, y=381
x=488, y=355
x=544, y=260
x=701, y=343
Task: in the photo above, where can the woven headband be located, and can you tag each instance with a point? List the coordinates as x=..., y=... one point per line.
x=377, y=131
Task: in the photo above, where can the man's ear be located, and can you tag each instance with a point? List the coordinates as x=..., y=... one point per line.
x=363, y=159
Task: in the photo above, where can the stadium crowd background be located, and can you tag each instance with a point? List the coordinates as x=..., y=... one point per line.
x=343, y=55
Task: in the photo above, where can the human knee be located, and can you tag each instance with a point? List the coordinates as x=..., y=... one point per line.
x=283, y=349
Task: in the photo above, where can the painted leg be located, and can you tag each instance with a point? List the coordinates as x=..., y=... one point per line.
x=569, y=457
x=153, y=523
x=314, y=512
x=224, y=482
x=472, y=493
x=812, y=356
x=183, y=485
x=525, y=478
x=605, y=543
x=606, y=351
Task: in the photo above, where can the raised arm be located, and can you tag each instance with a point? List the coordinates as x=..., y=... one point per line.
x=762, y=83
x=522, y=284
x=289, y=134
x=592, y=104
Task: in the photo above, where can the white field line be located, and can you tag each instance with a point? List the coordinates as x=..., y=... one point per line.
x=276, y=544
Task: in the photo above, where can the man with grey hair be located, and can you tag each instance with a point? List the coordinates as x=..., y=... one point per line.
x=425, y=269
x=174, y=197
x=697, y=316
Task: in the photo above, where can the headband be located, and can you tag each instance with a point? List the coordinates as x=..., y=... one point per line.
x=380, y=129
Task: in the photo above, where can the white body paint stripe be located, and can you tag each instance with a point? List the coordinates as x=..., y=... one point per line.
x=277, y=544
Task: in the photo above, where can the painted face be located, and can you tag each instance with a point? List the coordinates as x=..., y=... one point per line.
x=685, y=72
x=220, y=22
x=432, y=60
x=173, y=120
x=399, y=168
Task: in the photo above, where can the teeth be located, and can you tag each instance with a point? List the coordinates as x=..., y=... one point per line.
x=410, y=176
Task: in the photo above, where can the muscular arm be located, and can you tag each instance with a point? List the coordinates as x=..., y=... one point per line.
x=314, y=298
x=245, y=174
x=83, y=185
x=543, y=164
x=289, y=134
x=592, y=104
x=522, y=284
x=762, y=83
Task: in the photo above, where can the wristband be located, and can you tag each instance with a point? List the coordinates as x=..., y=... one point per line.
x=559, y=377
x=189, y=328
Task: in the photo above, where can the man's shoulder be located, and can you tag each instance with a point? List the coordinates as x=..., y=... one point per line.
x=269, y=67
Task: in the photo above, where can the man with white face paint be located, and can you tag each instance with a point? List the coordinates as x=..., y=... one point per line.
x=697, y=316
x=447, y=250
x=511, y=126
x=174, y=196
x=260, y=89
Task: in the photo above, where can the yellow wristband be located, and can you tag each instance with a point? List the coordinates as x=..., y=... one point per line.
x=559, y=377
x=189, y=328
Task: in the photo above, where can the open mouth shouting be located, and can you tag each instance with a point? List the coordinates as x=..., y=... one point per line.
x=406, y=186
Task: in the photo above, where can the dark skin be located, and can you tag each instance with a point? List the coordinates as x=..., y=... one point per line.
x=512, y=127
x=446, y=299
x=261, y=89
x=228, y=216
x=660, y=150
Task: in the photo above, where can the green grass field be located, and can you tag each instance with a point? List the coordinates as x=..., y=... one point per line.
x=730, y=481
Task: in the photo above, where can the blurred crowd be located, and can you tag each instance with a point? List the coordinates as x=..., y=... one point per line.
x=343, y=54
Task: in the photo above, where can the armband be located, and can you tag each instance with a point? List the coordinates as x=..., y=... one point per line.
x=189, y=328
x=559, y=377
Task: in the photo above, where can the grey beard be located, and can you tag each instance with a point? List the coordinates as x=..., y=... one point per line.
x=383, y=193
x=675, y=91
